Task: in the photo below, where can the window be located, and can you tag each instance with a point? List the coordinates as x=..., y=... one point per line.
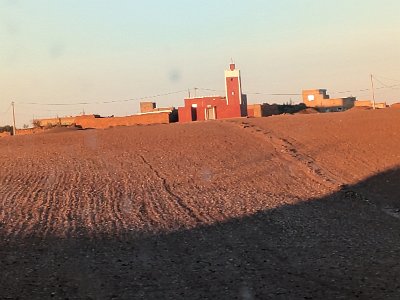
x=310, y=97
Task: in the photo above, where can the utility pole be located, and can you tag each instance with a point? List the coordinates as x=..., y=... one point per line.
x=13, y=111
x=373, y=92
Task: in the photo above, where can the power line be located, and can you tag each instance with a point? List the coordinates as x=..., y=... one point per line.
x=101, y=102
x=274, y=94
x=385, y=85
x=184, y=91
x=298, y=94
x=251, y=93
x=354, y=91
x=386, y=78
x=388, y=87
x=211, y=90
x=8, y=109
x=366, y=90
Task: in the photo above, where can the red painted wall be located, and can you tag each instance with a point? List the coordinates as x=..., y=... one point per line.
x=234, y=105
x=222, y=109
x=184, y=114
x=232, y=88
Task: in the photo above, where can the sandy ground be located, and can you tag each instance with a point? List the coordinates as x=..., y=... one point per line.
x=285, y=207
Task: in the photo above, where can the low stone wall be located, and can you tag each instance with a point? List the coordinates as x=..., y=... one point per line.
x=5, y=134
x=101, y=123
x=96, y=122
x=29, y=131
x=63, y=121
x=368, y=103
x=363, y=103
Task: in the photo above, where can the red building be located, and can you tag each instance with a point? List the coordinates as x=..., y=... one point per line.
x=233, y=105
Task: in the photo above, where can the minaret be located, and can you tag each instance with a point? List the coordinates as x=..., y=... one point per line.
x=233, y=85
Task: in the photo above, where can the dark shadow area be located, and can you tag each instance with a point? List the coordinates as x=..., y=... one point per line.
x=291, y=108
x=342, y=246
x=173, y=116
x=7, y=128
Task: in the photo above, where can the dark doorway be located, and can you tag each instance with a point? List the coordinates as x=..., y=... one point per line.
x=194, y=113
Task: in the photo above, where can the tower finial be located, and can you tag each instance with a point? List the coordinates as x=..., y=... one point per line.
x=232, y=65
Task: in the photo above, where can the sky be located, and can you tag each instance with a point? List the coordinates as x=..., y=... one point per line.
x=67, y=52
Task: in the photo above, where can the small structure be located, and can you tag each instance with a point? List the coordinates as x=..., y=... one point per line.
x=321, y=101
x=233, y=105
x=369, y=104
x=266, y=110
x=381, y=105
x=262, y=110
x=147, y=107
x=151, y=108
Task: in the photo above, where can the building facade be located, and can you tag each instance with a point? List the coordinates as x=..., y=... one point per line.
x=151, y=108
x=232, y=105
x=370, y=104
x=321, y=101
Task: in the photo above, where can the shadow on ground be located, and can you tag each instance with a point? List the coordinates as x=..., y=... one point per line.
x=342, y=246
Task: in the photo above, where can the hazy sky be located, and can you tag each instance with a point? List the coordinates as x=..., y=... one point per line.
x=92, y=51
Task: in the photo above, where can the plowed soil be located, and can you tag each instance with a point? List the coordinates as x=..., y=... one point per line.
x=286, y=207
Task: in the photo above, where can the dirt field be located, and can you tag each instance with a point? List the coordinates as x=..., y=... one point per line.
x=285, y=207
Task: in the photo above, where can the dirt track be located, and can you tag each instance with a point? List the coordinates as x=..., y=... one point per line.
x=300, y=206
